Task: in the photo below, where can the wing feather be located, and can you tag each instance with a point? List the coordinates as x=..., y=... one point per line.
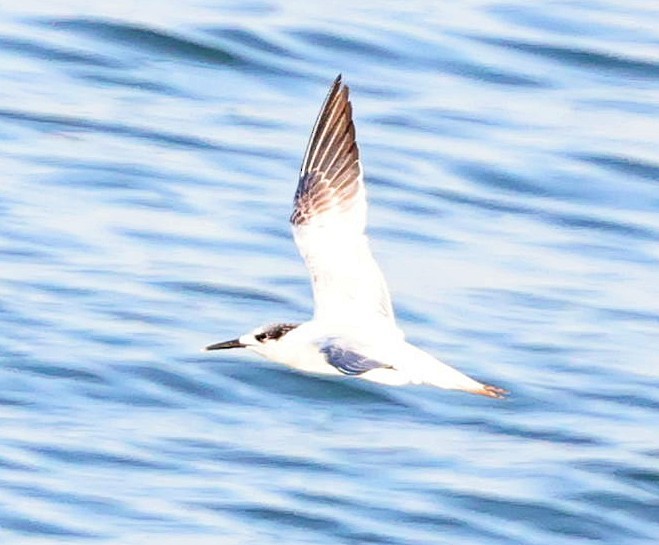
x=350, y=362
x=329, y=220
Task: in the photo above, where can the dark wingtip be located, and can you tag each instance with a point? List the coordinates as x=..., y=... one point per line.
x=337, y=84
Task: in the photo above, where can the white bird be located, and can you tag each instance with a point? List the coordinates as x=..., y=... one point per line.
x=353, y=330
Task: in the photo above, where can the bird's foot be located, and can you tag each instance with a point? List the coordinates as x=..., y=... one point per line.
x=492, y=391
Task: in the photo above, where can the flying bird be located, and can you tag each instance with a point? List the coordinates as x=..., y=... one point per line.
x=353, y=330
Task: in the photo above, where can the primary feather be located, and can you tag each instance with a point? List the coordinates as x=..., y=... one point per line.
x=329, y=220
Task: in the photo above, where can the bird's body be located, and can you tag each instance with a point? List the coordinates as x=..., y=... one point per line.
x=353, y=330
x=378, y=355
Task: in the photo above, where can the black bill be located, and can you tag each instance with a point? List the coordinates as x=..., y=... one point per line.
x=235, y=343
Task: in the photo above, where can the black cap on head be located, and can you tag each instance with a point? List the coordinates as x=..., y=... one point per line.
x=274, y=332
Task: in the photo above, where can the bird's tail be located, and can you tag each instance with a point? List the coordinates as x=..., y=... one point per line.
x=436, y=373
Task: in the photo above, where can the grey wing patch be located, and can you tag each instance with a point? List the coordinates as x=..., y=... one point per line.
x=330, y=176
x=350, y=362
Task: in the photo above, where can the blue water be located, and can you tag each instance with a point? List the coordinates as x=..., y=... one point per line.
x=149, y=153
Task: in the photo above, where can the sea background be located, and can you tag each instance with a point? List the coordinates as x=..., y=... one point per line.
x=149, y=153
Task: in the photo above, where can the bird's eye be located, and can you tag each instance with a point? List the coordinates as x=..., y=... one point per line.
x=260, y=337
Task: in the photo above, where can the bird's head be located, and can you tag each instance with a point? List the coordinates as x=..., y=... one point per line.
x=262, y=340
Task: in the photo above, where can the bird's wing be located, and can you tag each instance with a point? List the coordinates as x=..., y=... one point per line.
x=329, y=220
x=348, y=361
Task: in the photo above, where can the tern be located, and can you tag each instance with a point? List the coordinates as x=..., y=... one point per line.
x=353, y=330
